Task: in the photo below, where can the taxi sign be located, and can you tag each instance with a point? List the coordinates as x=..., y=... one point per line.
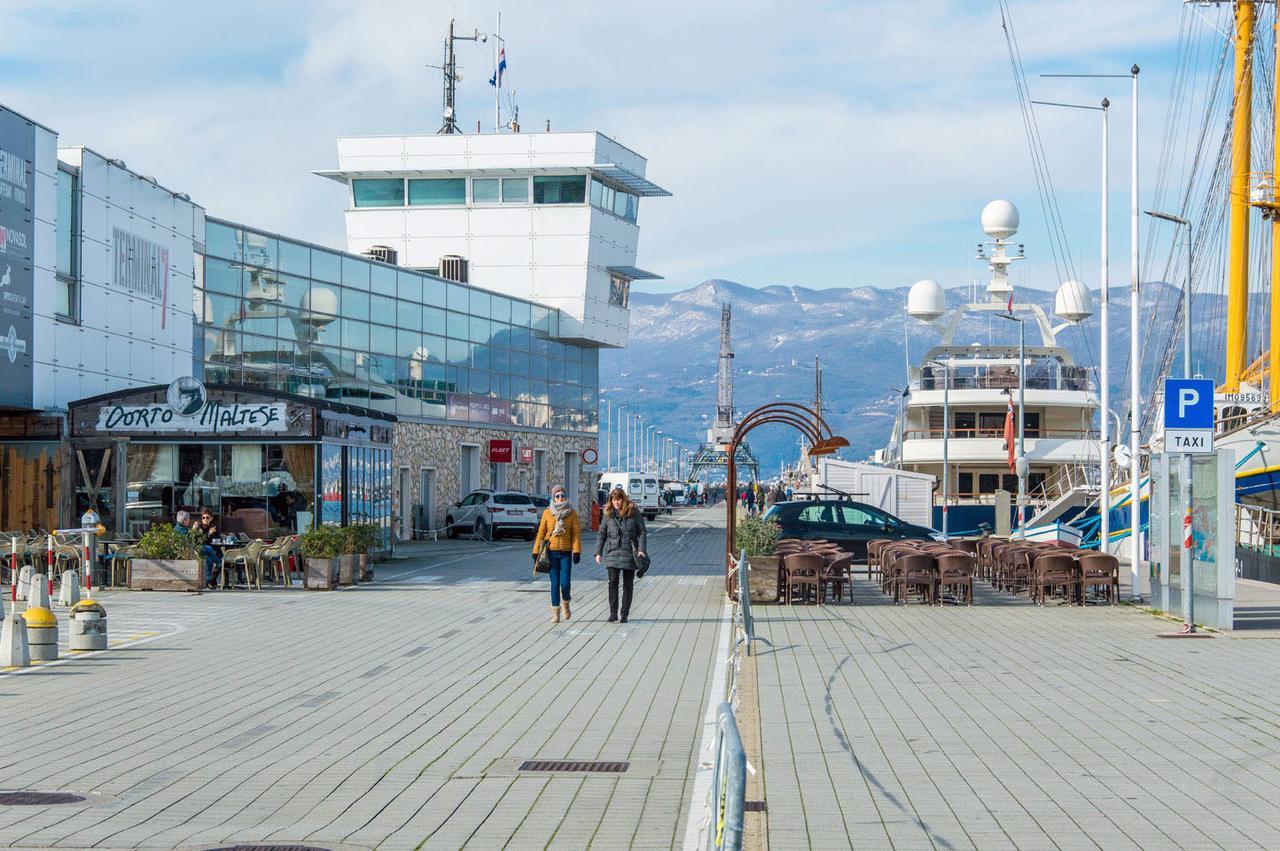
x=1188, y=415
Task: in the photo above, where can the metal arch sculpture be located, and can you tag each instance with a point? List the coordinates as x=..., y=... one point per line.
x=804, y=420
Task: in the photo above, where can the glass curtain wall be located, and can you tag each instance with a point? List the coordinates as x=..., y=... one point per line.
x=293, y=317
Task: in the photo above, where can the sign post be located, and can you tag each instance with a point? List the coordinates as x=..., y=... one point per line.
x=1188, y=430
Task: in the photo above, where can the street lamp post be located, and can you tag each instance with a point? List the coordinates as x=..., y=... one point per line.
x=1020, y=465
x=946, y=439
x=1184, y=463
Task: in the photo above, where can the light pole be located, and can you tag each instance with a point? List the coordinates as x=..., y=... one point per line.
x=608, y=433
x=946, y=439
x=649, y=435
x=1020, y=465
x=1104, y=382
x=617, y=458
x=1184, y=463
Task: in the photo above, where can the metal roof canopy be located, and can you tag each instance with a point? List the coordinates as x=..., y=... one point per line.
x=634, y=273
x=629, y=180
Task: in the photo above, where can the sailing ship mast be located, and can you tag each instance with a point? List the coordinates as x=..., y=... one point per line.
x=1238, y=222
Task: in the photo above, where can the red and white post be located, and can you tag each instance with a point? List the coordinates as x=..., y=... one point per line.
x=49, y=571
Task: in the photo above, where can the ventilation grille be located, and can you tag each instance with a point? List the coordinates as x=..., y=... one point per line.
x=453, y=268
x=381, y=253
x=563, y=765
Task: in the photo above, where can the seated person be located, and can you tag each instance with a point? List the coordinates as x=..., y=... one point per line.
x=208, y=529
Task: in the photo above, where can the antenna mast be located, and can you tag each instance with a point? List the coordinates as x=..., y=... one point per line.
x=451, y=77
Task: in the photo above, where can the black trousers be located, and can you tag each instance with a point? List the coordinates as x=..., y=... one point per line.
x=628, y=577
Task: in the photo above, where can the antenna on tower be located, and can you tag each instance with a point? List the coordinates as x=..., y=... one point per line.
x=451, y=77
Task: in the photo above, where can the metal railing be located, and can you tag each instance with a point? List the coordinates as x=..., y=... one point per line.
x=998, y=434
x=1258, y=529
x=728, y=784
x=1000, y=377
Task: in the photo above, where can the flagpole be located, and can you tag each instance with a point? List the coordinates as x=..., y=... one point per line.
x=497, y=80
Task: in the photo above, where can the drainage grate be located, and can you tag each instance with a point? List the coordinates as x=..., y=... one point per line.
x=38, y=799
x=753, y=806
x=574, y=765
x=268, y=848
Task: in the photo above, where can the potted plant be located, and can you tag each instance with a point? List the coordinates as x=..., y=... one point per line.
x=167, y=559
x=759, y=537
x=320, y=549
x=368, y=539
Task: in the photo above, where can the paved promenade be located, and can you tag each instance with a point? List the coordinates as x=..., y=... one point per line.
x=393, y=715
x=1009, y=726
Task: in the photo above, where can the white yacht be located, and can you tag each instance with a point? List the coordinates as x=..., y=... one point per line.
x=959, y=408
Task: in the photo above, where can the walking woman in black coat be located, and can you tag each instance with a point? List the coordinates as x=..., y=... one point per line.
x=621, y=538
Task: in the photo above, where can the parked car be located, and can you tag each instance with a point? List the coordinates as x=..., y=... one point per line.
x=490, y=514
x=844, y=522
x=540, y=500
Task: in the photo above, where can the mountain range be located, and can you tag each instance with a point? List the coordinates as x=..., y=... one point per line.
x=863, y=340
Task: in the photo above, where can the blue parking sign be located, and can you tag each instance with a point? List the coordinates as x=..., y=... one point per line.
x=1188, y=403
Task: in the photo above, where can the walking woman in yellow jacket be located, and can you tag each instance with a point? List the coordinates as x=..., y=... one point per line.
x=559, y=526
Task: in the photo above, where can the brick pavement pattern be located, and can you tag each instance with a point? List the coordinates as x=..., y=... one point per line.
x=1010, y=726
x=391, y=715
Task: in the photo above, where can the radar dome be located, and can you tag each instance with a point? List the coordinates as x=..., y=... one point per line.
x=1000, y=219
x=926, y=301
x=1073, y=302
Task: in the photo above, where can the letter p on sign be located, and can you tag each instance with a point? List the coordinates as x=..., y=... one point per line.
x=1188, y=397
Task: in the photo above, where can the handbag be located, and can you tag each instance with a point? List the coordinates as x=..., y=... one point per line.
x=542, y=564
x=642, y=562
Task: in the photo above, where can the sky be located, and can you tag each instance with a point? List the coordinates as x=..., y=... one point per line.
x=807, y=143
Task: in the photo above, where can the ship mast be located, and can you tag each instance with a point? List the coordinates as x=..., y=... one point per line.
x=1238, y=228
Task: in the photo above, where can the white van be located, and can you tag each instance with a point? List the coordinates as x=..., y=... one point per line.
x=642, y=489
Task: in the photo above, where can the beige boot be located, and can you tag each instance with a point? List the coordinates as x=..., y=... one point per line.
x=564, y=609
x=555, y=614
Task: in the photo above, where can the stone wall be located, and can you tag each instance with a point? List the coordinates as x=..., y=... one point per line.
x=418, y=445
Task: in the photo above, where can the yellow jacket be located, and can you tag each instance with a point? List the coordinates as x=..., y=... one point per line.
x=570, y=541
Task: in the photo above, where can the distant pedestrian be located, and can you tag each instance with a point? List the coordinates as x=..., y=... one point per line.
x=751, y=500
x=559, y=527
x=622, y=538
x=790, y=493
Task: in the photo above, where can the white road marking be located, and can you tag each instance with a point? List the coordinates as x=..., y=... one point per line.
x=36, y=668
x=707, y=739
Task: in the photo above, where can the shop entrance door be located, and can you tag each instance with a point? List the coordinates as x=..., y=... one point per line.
x=405, y=531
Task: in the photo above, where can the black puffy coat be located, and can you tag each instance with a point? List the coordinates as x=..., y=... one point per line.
x=619, y=537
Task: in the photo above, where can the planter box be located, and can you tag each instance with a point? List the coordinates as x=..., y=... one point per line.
x=321, y=575
x=763, y=578
x=348, y=570
x=366, y=567
x=147, y=574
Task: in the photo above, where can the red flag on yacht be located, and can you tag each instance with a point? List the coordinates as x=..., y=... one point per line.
x=1009, y=434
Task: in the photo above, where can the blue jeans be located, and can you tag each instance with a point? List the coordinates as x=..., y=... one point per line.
x=561, y=574
x=211, y=561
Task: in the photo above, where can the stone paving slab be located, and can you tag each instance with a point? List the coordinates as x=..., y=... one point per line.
x=371, y=717
x=1009, y=725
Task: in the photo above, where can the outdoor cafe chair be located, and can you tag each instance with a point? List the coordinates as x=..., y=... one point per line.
x=839, y=574
x=277, y=555
x=249, y=559
x=889, y=563
x=804, y=571
x=1100, y=570
x=874, y=549
x=916, y=570
x=955, y=571
x=1051, y=571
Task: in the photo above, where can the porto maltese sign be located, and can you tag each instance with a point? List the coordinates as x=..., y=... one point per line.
x=187, y=409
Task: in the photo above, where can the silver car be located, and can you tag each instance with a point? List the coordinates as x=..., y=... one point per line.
x=490, y=514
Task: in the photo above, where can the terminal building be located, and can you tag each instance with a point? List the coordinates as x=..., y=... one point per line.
x=454, y=346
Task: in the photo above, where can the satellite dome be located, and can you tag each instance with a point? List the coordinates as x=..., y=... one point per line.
x=1000, y=219
x=926, y=301
x=1073, y=302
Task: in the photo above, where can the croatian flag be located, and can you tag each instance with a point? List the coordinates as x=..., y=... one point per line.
x=1010, y=433
x=496, y=79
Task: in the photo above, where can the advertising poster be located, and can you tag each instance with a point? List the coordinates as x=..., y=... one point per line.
x=17, y=280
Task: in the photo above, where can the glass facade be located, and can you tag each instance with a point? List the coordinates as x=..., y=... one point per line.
x=293, y=317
